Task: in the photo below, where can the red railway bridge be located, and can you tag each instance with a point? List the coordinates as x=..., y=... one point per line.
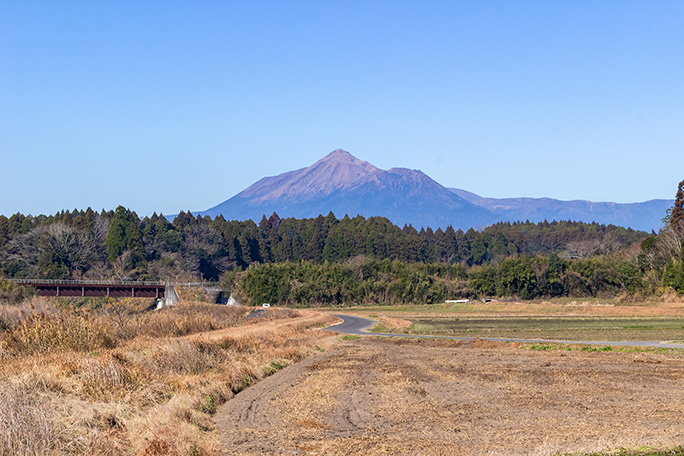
x=96, y=288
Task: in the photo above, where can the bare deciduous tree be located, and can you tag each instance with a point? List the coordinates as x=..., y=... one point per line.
x=582, y=249
x=52, y=246
x=120, y=265
x=670, y=245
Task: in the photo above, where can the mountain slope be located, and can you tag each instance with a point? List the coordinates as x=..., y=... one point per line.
x=644, y=216
x=343, y=184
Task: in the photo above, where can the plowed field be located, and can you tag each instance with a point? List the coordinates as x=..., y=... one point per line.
x=405, y=397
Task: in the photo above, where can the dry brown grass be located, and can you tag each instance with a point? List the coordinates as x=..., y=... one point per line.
x=664, y=306
x=38, y=326
x=387, y=323
x=142, y=390
x=11, y=314
x=377, y=396
x=26, y=426
x=41, y=333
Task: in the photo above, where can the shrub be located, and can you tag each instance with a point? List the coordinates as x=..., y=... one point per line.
x=42, y=333
x=13, y=294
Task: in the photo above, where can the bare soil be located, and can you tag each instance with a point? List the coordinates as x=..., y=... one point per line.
x=406, y=397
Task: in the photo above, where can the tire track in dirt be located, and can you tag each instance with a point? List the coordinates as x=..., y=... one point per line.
x=424, y=397
x=244, y=417
x=352, y=415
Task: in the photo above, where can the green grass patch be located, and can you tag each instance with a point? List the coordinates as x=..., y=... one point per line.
x=542, y=347
x=274, y=367
x=599, y=348
x=350, y=337
x=380, y=328
x=550, y=327
x=421, y=328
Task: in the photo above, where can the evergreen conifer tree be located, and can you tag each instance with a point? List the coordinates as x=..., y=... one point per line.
x=116, y=241
x=677, y=214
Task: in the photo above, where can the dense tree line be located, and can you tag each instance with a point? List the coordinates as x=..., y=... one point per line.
x=120, y=244
x=366, y=280
x=326, y=260
x=662, y=257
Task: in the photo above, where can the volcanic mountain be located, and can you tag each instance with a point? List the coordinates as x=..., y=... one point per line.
x=343, y=184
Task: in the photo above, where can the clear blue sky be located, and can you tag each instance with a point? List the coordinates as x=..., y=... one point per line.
x=170, y=105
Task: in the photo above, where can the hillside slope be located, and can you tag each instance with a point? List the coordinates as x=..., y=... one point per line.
x=645, y=216
x=343, y=184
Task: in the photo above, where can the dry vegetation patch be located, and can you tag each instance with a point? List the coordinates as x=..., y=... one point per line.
x=392, y=324
x=667, y=305
x=25, y=424
x=422, y=397
x=560, y=319
x=149, y=386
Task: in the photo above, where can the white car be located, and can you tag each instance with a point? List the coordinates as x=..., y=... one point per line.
x=265, y=305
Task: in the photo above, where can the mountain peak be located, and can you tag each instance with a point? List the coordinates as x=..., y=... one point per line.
x=339, y=169
x=340, y=156
x=343, y=184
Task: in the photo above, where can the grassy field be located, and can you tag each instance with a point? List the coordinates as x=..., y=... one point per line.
x=565, y=328
x=566, y=319
x=669, y=305
x=114, y=380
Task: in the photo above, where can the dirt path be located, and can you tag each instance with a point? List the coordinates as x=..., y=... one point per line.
x=306, y=318
x=396, y=397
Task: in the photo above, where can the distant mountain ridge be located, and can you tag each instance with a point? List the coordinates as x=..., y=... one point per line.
x=645, y=216
x=343, y=184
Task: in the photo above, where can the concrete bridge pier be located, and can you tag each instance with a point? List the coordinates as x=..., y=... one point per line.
x=170, y=296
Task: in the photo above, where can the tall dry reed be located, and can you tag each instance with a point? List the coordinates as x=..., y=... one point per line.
x=26, y=427
x=119, y=381
x=38, y=326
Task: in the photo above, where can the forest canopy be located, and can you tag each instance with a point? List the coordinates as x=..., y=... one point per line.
x=331, y=260
x=118, y=244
